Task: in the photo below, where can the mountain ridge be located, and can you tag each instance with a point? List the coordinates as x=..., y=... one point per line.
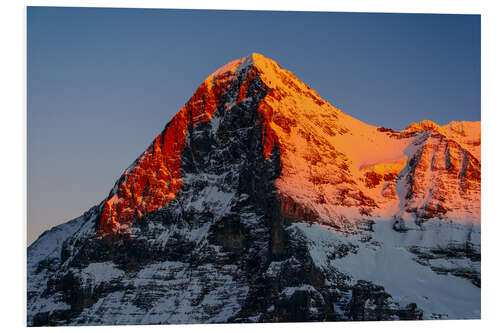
x=157, y=191
x=261, y=202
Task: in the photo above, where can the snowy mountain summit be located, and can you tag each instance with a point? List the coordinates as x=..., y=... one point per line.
x=261, y=202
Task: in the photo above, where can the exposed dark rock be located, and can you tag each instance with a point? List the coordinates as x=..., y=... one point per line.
x=230, y=246
x=370, y=302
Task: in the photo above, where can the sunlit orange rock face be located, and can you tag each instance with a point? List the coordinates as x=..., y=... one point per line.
x=155, y=178
x=335, y=168
x=466, y=133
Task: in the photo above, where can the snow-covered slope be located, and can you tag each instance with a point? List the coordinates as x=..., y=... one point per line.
x=260, y=201
x=413, y=265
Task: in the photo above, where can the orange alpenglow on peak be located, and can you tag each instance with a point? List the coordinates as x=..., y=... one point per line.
x=334, y=168
x=154, y=179
x=466, y=133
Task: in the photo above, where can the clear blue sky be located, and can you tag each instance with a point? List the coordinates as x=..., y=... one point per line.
x=102, y=83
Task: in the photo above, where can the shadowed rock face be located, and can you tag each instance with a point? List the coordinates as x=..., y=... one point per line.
x=238, y=212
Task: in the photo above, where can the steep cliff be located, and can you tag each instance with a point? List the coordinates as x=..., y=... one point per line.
x=261, y=202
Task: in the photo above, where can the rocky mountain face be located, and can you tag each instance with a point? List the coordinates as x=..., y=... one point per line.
x=261, y=202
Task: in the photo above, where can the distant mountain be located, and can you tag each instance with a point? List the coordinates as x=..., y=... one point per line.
x=261, y=202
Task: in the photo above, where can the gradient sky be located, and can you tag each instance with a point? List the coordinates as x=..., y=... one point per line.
x=102, y=83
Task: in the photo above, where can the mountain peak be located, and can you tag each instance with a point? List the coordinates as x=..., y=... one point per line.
x=423, y=125
x=329, y=160
x=263, y=63
x=254, y=200
x=466, y=133
x=154, y=179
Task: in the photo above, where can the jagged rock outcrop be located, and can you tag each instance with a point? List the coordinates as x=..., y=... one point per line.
x=261, y=202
